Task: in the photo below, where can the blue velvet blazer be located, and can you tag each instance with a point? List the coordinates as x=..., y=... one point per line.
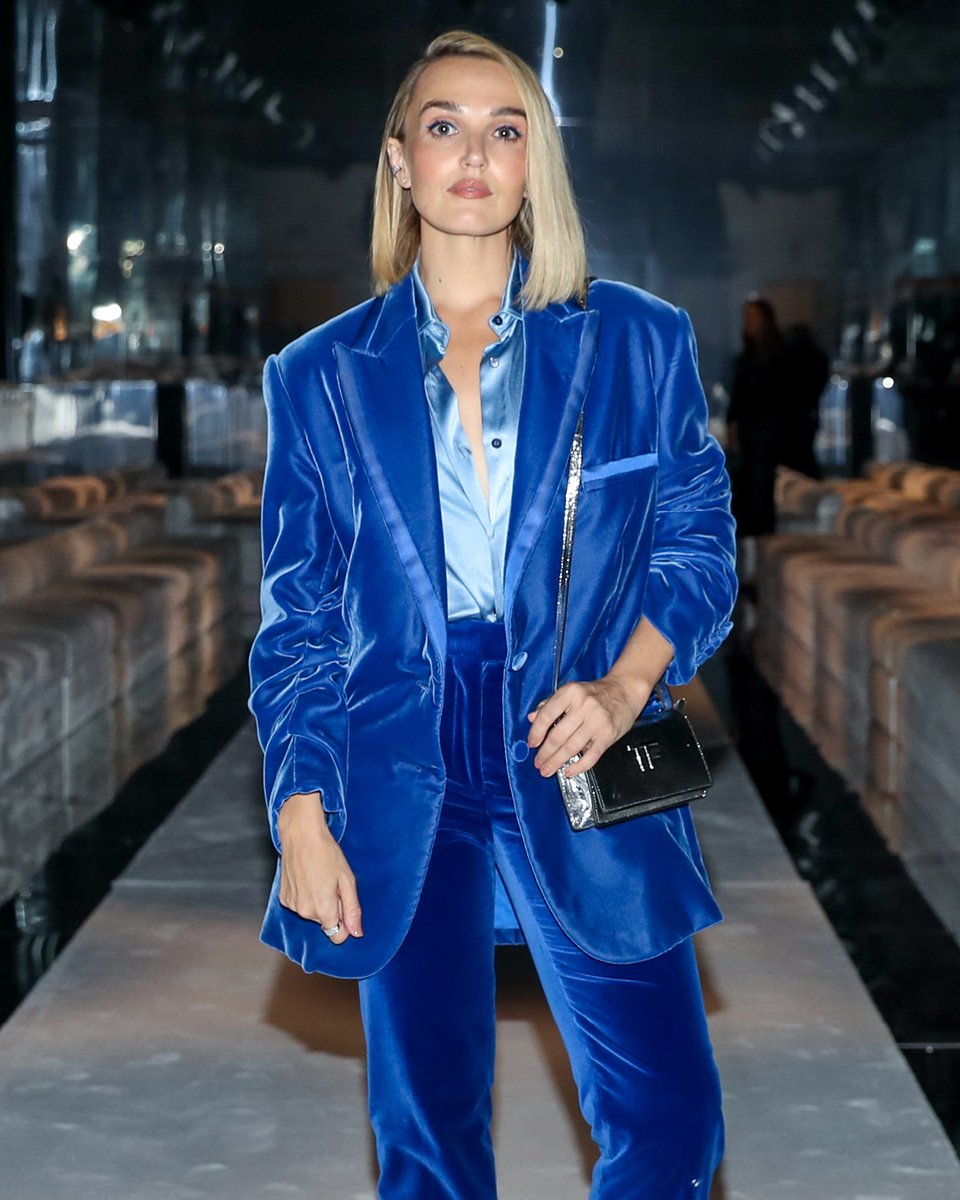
x=347, y=668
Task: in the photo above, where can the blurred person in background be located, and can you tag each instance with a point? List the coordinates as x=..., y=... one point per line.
x=757, y=419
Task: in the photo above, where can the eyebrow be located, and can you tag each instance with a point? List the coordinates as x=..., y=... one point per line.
x=452, y=106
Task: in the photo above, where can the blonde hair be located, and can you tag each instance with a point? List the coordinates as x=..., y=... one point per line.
x=547, y=229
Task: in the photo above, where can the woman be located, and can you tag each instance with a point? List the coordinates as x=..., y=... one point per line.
x=412, y=516
x=760, y=400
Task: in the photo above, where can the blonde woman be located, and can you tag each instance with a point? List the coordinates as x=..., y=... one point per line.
x=412, y=516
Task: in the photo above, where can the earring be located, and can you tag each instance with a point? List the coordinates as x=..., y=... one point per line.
x=394, y=170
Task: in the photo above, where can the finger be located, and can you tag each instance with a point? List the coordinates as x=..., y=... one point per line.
x=588, y=738
x=564, y=739
x=589, y=758
x=340, y=936
x=350, y=906
x=573, y=747
x=550, y=711
x=312, y=905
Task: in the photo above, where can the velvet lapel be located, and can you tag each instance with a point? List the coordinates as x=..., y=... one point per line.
x=382, y=382
x=561, y=347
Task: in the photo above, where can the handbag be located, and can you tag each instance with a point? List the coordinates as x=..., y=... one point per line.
x=658, y=764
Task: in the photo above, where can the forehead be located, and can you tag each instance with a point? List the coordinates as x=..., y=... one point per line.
x=475, y=84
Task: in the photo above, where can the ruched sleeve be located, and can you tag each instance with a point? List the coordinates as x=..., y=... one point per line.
x=692, y=582
x=296, y=661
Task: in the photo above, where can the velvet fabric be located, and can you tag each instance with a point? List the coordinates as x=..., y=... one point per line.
x=636, y=1034
x=348, y=666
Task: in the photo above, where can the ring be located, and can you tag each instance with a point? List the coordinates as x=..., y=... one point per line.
x=331, y=931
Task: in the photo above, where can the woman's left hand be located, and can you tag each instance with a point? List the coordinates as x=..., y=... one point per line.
x=582, y=718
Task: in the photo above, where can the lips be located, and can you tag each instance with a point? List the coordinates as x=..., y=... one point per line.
x=470, y=189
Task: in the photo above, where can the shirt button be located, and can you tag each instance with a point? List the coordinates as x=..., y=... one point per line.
x=498, y=320
x=494, y=362
x=518, y=660
x=496, y=443
x=519, y=750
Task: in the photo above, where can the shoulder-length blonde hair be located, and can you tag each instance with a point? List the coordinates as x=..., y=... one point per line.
x=547, y=229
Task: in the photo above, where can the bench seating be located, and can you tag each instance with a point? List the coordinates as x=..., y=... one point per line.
x=858, y=630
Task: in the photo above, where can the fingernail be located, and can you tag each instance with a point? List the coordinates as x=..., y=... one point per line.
x=358, y=933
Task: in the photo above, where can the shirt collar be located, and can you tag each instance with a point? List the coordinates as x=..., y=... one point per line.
x=436, y=333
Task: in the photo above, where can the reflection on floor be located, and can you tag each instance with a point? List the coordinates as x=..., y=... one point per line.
x=906, y=957
x=96, y=828
x=168, y=1054
x=70, y=782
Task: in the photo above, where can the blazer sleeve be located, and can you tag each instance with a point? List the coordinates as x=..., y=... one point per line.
x=692, y=584
x=296, y=661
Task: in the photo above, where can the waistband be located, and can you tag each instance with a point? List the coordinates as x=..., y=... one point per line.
x=474, y=638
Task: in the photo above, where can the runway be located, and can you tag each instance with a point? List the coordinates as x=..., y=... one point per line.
x=168, y=1055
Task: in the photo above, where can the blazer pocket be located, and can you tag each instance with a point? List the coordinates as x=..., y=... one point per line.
x=601, y=473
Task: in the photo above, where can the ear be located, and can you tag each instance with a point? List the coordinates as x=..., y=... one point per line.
x=395, y=155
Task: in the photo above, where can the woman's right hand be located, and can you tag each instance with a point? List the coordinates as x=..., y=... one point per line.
x=315, y=878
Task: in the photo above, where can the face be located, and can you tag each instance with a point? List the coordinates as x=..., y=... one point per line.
x=463, y=157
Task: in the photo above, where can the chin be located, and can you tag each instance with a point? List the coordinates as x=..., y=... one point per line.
x=471, y=224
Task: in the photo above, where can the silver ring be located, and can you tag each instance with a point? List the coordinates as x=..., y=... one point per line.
x=331, y=931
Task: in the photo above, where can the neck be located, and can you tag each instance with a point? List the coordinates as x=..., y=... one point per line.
x=462, y=274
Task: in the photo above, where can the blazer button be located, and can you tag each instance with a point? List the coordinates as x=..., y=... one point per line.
x=518, y=660
x=519, y=750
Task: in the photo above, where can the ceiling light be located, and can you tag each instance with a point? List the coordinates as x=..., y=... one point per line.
x=229, y=64
x=811, y=99
x=822, y=75
x=844, y=47
x=783, y=112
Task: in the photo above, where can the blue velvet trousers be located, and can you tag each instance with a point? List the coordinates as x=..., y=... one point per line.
x=636, y=1034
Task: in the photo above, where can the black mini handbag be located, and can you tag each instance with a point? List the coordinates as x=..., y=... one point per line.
x=656, y=765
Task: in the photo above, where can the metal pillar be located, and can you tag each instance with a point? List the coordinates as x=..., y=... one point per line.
x=9, y=306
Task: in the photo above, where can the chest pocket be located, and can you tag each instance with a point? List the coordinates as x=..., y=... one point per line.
x=601, y=473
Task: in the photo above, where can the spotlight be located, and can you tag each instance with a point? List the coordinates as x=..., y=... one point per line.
x=824, y=77
x=783, y=112
x=811, y=99
x=229, y=64
x=163, y=12
x=191, y=42
x=844, y=46
x=250, y=89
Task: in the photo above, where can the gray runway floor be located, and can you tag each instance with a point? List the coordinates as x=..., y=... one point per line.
x=168, y=1055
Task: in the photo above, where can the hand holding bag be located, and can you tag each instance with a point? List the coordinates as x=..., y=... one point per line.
x=656, y=765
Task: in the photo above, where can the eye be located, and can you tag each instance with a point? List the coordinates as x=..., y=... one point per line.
x=441, y=127
x=508, y=133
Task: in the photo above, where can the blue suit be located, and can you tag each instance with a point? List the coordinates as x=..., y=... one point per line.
x=348, y=666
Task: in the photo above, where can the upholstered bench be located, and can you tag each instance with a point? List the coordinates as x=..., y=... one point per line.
x=90, y=610
x=845, y=619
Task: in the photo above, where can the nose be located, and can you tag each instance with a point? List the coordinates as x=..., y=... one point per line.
x=473, y=153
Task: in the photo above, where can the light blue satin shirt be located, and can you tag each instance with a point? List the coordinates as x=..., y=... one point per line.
x=475, y=535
